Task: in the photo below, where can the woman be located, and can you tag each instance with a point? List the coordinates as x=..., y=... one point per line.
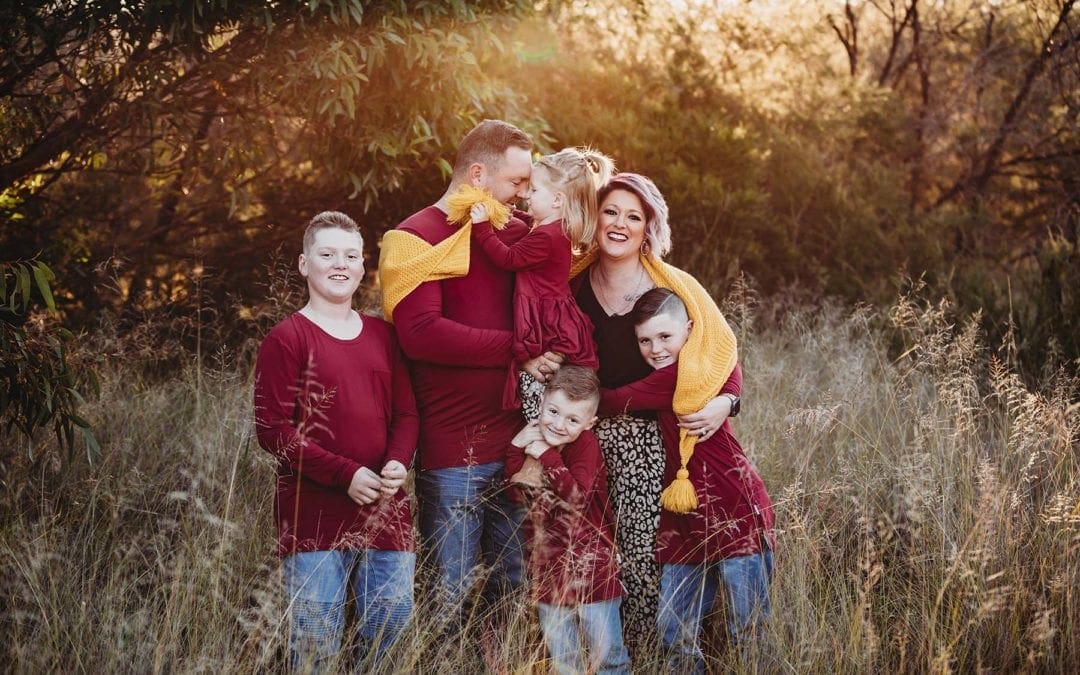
x=632, y=235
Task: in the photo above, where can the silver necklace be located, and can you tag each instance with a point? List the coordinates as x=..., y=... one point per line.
x=628, y=299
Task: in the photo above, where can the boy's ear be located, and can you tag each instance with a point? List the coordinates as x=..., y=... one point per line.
x=301, y=264
x=689, y=324
x=591, y=422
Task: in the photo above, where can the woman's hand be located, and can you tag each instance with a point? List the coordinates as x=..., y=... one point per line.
x=544, y=366
x=705, y=422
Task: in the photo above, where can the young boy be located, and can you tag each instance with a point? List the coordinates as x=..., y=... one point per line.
x=334, y=406
x=727, y=541
x=570, y=530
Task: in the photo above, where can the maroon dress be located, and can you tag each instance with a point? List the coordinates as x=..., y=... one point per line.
x=546, y=316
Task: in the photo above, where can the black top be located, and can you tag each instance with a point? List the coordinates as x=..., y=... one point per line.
x=616, y=344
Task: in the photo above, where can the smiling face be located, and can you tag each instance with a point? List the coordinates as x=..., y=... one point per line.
x=661, y=338
x=563, y=420
x=507, y=179
x=621, y=228
x=333, y=265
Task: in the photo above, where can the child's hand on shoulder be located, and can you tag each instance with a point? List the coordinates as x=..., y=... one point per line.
x=478, y=213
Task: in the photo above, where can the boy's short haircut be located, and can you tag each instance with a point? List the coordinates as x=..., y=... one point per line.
x=328, y=220
x=487, y=143
x=657, y=301
x=577, y=383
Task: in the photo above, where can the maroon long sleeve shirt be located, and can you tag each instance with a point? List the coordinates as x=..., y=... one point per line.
x=570, y=526
x=457, y=334
x=734, y=513
x=324, y=408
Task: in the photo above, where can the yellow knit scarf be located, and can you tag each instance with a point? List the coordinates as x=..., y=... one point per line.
x=406, y=260
x=705, y=363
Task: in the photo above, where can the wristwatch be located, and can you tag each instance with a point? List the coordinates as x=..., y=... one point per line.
x=735, y=404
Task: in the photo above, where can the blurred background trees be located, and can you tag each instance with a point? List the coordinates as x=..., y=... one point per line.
x=162, y=156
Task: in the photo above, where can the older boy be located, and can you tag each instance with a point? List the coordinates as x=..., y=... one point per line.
x=334, y=405
x=572, y=566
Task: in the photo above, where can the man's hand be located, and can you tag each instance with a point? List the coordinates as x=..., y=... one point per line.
x=365, y=486
x=478, y=213
x=393, y=477
x=543, y=366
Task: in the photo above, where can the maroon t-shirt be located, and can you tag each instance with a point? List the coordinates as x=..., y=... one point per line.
x=734, y=512
x=570, y=526
x=457, y=335
x=324, y=407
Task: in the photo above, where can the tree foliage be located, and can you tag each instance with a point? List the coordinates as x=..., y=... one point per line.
x=38, y=384
x=148, y=140
x=836, y=148
x=160, y=153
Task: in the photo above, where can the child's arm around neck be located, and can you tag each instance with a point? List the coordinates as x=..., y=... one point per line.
x=655, y=391
x=531, y=251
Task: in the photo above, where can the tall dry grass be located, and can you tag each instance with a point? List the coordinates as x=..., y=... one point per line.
x=928, y=503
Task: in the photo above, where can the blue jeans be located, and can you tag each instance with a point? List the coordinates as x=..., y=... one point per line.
x=466, y=518
x=595, y=628
x=315, y=585
x=687, y=593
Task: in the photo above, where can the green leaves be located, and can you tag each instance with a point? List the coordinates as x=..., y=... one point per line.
x=39, y=385
x=43, y=275
x=23, y=276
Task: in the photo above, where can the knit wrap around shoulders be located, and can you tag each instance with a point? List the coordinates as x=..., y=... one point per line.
x=705, y=362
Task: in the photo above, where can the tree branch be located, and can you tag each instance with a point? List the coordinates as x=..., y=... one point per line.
x=849, y=36
x=977, y=181
x=897, y=36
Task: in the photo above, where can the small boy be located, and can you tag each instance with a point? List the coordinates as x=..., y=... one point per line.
x=572, y=567
x=728, y=540
x=334, y=406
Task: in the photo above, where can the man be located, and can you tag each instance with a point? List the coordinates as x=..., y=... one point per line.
x=458, y=333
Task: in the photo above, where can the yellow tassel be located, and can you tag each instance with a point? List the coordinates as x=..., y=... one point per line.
x=461, y=202
x=680, y=496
